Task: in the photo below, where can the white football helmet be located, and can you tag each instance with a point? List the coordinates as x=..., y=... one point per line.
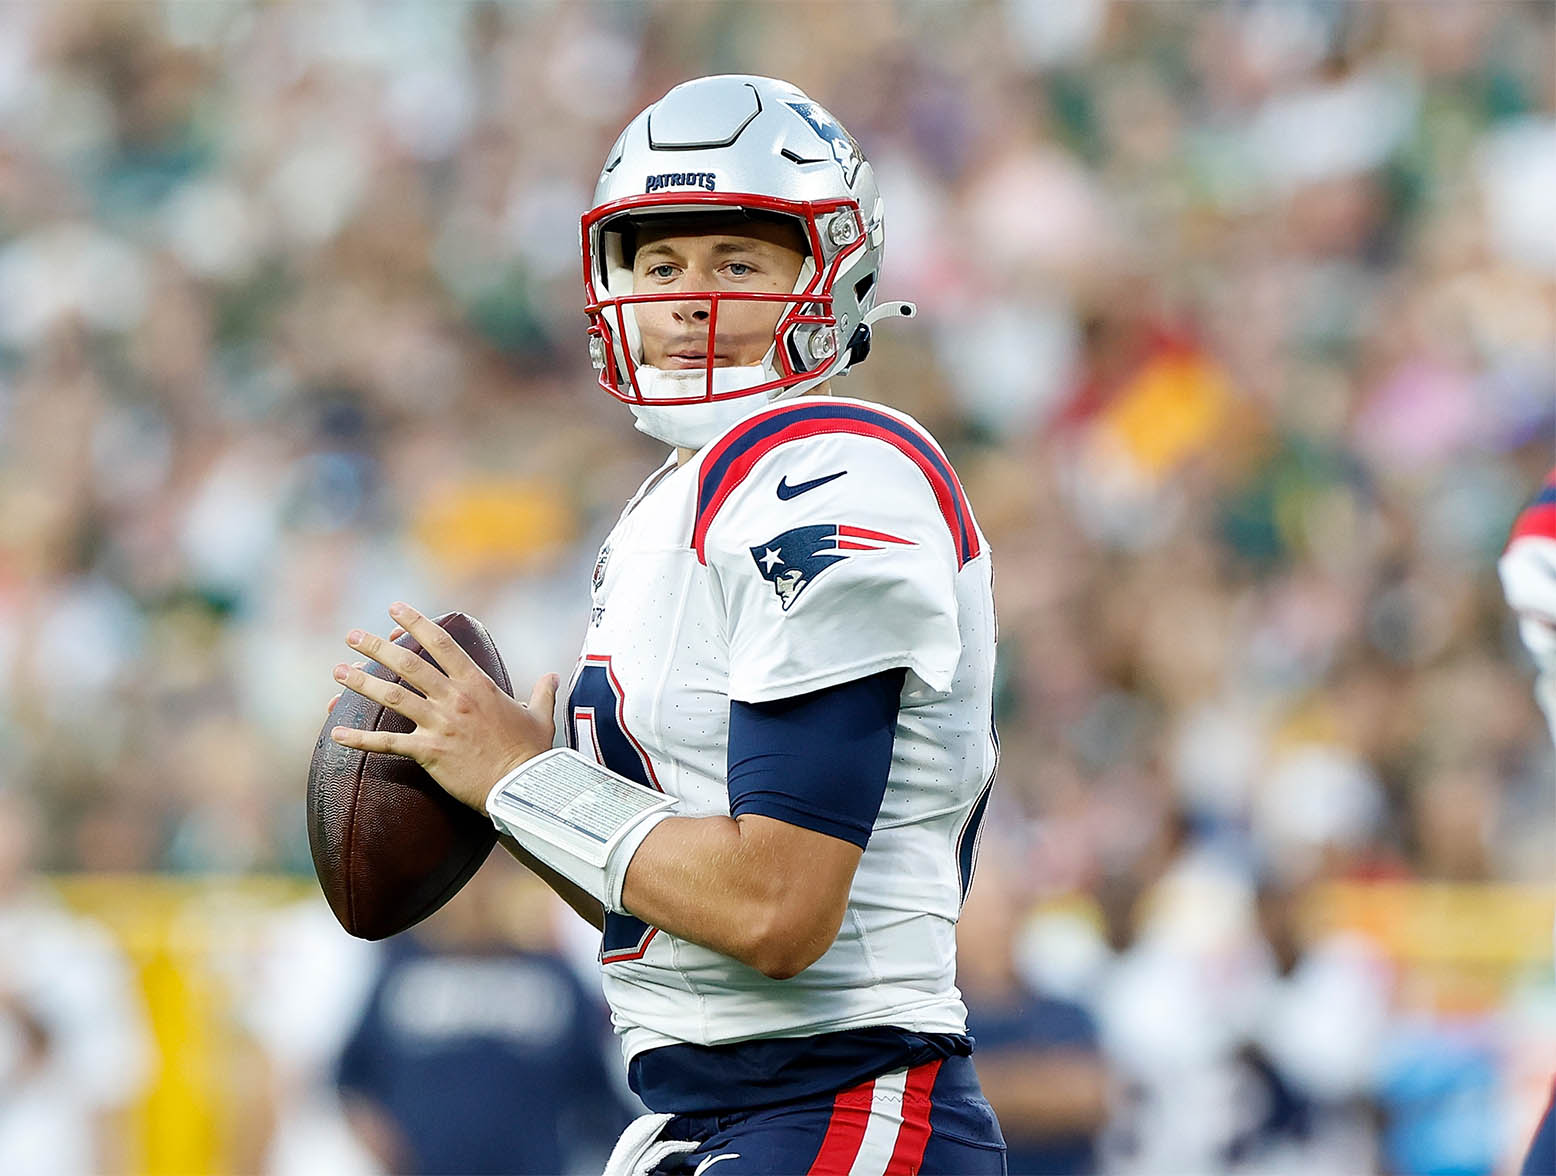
x=749, y=146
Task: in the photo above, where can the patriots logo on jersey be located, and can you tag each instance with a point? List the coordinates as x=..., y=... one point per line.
x=792, y=561
x=844, y=149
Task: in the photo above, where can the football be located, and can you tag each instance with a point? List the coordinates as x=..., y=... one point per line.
x=389, y=845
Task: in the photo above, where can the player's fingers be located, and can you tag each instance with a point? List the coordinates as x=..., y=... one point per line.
x=542, y=699
x=333, y=701
x=414, y=668
x=388, y=742
x=395, y=695
x=397, y=633
x=435, y=639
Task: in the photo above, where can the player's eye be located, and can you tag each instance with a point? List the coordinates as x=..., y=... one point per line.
x=739, y=269
x=664, y=271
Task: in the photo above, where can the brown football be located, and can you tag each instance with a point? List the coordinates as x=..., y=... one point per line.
x=389, y=845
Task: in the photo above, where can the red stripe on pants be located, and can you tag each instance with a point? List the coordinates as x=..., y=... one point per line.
x=914, y=1135
x=845, y=1131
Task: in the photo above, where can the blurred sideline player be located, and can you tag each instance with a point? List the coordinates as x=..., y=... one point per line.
x=1528, y=570
x=474, y=1013
x=76, y=1052
x=792, y=634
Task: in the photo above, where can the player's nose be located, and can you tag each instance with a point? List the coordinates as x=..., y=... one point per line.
x=692, y=311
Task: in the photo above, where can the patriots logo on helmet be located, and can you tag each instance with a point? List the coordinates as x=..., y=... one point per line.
x=844, y=149
x=792, y=561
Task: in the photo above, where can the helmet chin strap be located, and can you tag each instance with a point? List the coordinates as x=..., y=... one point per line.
x=691, y=426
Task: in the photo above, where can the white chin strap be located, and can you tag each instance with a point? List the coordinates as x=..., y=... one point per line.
x=691, y=426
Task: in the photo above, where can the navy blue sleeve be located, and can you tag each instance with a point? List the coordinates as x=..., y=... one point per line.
x=818, y=760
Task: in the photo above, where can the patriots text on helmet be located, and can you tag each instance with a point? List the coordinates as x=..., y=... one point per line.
x=705, y=180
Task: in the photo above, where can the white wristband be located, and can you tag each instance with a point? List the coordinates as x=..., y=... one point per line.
x=582, y=820
x=621, y=857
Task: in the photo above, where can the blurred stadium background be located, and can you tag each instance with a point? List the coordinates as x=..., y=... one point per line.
x=1239, y=320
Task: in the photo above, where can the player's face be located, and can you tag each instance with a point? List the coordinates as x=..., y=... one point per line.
x=758, y=258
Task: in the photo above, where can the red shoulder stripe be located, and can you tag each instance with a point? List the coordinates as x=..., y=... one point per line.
x=731, y=460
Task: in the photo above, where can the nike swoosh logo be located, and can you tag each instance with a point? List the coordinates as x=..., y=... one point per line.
x=786, y=491
x=711, y=1160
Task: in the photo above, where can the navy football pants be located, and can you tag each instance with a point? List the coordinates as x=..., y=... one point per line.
x=931, y=1120
x=1541, y=1160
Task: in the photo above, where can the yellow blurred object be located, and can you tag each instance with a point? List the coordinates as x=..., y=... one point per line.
x=184, y=938
x=1458, y=947
x=1171, y=410
x=1426, y=924
x=494, y=524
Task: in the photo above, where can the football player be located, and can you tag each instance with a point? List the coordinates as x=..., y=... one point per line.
x=787, y=671
x=1528, y=571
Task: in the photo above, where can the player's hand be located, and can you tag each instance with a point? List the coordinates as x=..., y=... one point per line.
x=469, y=734
x=395, y=636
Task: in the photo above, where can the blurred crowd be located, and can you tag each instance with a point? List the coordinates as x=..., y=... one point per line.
x=1239, y=321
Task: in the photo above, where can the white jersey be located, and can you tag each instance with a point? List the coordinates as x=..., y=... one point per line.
x=816, y=542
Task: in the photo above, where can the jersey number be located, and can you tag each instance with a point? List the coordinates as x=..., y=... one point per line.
x=596, y=726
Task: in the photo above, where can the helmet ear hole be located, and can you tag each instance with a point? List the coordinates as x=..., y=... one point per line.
x=796, y=361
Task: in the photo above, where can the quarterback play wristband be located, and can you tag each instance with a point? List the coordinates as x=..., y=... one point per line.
x=581, y=820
